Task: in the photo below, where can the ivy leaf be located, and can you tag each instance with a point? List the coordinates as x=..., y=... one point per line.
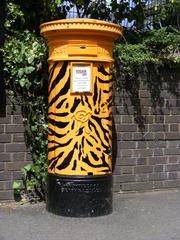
x=29, y=69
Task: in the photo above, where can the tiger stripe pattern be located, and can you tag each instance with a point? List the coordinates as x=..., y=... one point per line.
x=79, y=125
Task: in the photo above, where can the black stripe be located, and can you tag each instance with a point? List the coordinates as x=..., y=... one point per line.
x=94, y=156
x=62, y=92
x=51, y=72
x=59, y=114
x=59, y=145
x=53, y=161
x=74, y=165
x=95, y=92
x=86, y=160
x=86, y=99
x=53, y=133
x=58, y=124
x=103, y=71
x=59, y=76
x=108, y=91
x=61, y=103
x=67, y=160
x=89, y=143
x=104, y=81
x=76, y=103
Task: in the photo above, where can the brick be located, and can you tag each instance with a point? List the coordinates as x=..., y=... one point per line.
x=173, y=159
x=141, y=161
x=18, y=138
x=10, y=110
x=17, y=157
x=117, y=135
x=142, y=152
x=173, y=143
x=172, y=119
x=117, y=119
x=141, y=144
x=172, y=167
x=14, y=128
x=172, y=135
x=171, y=103
x=117, y=170
x=159, y=168
x=159, y=111
x=2, y=128
x=5, y=120
x=5, y=175
x=2, y=166
x=146, y=102
x=158, y=127
x=158, y=176
x=139, y=186
x=157, y=144
x=174, y=127
x=28, y=157
x=172, y=175
x=125, y=178
x=17, y=175
x=127, y=136
x=143, y=169
x=16, y=147
x=127, y=119
x=158, y=160
x=2, y=148
x=116, y=188
x=2, y=186
x=145, y=110
x=149, y=119
x=158, y=184
x=5, y=157
x=172, y=151
x=126, y=128
x=17, y=119
x=5, y=138
x=142, y=177
x=172, y=183
x=14, y=166
x=6, y=195
x=126, y=145
x=126, y=161
x=159, y=136
x=143, y=136
x=158, y=119
x=158, y=152
x=144, y=94
x=125, y=152
x=127, y=170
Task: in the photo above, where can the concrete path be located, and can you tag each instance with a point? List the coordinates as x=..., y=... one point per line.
x=142, y=216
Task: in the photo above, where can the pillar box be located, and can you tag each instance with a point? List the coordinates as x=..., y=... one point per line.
x=80, y=116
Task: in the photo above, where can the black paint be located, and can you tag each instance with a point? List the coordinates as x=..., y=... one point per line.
x=79, y=196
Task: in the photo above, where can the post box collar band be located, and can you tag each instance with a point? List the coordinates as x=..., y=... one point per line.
x=82, y=24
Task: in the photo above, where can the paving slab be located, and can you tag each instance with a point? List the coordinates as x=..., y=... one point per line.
x=138, y=216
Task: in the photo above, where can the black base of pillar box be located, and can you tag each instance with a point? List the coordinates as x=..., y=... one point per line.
x=79, y=196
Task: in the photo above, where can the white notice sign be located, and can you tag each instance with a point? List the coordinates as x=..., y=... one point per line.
x=81, y=78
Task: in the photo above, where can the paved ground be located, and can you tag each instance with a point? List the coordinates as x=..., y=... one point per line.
x=145, y=216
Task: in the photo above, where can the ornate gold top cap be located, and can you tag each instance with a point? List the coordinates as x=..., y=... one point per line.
x=77, y=25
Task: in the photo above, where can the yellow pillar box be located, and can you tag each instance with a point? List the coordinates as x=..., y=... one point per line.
x=80, y=116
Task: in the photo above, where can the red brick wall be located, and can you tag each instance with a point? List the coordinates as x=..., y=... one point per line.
x=13, y=151
x=143, y=159
x=148, y=159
